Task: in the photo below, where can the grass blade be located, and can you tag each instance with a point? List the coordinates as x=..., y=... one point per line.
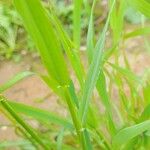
x=42, y=32
x=138, y=32
x=102, y=90
x=90, y=35
x=101, y=86
x=77, y=23
x=87, y=140
x=126, y=134
x=40, y=114
x=117, y=20
x=94, y=71
x=68, y=46
x=14, y=80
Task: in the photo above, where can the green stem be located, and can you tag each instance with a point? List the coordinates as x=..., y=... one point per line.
x=75, y=119
x=6, y=106
x=25, y=135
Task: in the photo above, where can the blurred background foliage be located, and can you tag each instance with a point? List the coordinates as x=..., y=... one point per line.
x=15, y=43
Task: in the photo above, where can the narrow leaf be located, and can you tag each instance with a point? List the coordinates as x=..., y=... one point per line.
x=94, y=70
x=14, y=80
x=90, y=35
x=69, y=48
x=127, y=134
x=87, y=140
x=138, y=32
x=42, y=32
x=39, y=114
x=77, y=22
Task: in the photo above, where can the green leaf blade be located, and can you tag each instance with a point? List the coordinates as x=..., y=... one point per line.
x=94, y=71
x=41, y=30
x=126, y=134
x=14, y=80
x=40, y=114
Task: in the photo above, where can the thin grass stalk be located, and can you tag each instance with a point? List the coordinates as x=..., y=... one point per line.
x=25, y=135
x=74, y=116
x=27, y=128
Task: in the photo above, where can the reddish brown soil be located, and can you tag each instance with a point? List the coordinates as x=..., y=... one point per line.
x=31, y=91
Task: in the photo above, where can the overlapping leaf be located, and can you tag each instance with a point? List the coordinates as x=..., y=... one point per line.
x=42, y=32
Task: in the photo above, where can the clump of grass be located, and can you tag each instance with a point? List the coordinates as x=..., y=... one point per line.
x=122, y=125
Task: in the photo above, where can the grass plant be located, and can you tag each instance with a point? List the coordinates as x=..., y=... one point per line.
x=125, y=121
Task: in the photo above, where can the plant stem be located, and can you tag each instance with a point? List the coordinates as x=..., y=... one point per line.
x=4, y=103
x=75, y=119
